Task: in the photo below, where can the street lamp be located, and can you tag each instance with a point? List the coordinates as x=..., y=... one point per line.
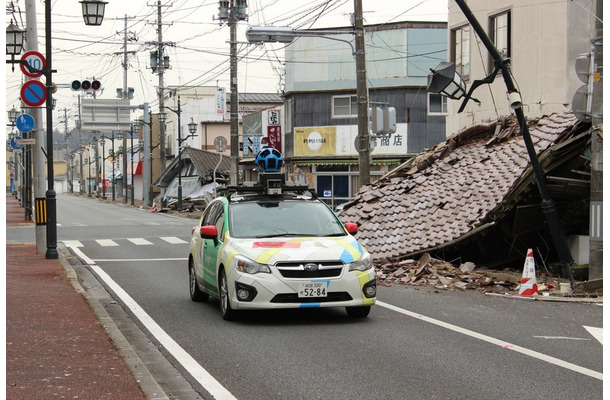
x=192, y=126
x=287, y=34
x=445, y=81
x=12, y=115
x=93, y=11
x=14, y=41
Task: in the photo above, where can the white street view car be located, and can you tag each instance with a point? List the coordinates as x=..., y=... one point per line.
x=275, y=247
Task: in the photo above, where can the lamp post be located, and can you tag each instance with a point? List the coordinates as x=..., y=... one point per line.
x=287, y=35
x=132, y=152
x=192, y=130
x=93, y=13
x=442, y=78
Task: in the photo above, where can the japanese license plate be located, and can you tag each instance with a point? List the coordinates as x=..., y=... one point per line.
x=313, y=289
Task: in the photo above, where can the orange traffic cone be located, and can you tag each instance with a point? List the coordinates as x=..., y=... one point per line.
x=529, y=286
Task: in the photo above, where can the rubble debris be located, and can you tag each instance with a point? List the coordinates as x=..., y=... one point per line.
x=428, y=271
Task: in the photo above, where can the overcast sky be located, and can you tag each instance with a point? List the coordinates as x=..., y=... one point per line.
x=199, y=49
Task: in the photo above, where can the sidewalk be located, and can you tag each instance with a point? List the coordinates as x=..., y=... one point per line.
x=55, y=345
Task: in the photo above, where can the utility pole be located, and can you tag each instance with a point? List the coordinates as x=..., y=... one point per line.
x=161, y=84
x=38, y=158
x=232, y=12
x=81, y=181
x=234, y=178
x=596, y=244
x=363, y=138
x=159, y=63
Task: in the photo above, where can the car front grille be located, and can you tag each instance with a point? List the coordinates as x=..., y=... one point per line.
x=298, y=270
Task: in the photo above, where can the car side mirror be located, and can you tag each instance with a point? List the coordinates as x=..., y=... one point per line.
x=351, y=227
x=209, y=232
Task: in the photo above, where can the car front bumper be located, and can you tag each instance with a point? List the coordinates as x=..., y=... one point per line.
x=272, y=291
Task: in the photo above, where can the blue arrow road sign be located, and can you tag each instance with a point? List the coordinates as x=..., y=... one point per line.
x=25, y=123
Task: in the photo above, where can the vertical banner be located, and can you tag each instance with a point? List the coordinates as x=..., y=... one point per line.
x=274, y=130
x=274, y=135
x=221, y=101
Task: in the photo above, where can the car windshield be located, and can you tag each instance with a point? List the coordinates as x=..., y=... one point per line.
x=275, y=218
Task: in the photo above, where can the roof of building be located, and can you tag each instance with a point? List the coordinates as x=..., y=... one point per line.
x=272, y=98
x=460, y=187
x=204, y=162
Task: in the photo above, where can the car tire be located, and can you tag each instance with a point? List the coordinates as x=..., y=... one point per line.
x=358, y=312
x=196, y=293
x=228, y=314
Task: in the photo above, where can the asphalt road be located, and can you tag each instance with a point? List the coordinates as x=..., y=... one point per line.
x=416, y=343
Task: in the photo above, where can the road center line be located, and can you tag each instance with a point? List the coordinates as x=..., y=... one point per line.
x=498, y=342
x=202, y=376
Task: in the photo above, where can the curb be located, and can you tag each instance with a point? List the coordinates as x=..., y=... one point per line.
x=147, y=382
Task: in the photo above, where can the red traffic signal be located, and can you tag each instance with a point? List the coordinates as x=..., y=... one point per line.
x=86, y=85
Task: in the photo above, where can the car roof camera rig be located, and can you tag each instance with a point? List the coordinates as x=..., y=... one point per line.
x=271, y=181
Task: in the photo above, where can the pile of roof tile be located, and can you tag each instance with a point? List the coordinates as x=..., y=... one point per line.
x=458, y=188
x=439, y=274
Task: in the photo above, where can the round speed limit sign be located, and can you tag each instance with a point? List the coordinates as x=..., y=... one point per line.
x=34, y=60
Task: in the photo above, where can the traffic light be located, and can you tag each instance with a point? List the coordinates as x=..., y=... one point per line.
x=86, y=85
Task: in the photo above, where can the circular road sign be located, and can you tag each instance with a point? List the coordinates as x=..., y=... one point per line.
x=14, y=143
x=35, y=60
x=25, y=123
x=33, y=93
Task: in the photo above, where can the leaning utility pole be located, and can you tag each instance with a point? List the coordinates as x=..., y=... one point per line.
x=363, y=138
x=38, y=158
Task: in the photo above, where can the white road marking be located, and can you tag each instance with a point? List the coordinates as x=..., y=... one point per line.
x=598, y=333
x=106, y=242
x=189, y=363
x=173, y=240
x=140, y=241
x=561, y=338
x=73, y=243
x=498, y=342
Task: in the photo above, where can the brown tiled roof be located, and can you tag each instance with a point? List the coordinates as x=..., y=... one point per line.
x=452, y=190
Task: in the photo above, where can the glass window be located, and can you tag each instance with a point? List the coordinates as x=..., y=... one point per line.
x=281, y=217
x=500, y=33
x=461, y=50
x=437, y=104
x=345, y=106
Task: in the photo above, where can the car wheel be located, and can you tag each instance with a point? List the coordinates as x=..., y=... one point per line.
x=226, y=311
x=358, y=312
x=196, y=293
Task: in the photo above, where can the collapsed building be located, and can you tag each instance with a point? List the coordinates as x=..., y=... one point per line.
x=473, y=198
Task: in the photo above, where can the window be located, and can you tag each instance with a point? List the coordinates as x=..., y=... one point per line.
x=461, y=50
x=345, y=107
x=437, y=104
x=500, y=32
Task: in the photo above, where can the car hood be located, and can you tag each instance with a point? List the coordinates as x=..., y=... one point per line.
x=271, y=251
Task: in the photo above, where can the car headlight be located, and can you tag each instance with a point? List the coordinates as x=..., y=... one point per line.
x=363, y=263
x=248, y=266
